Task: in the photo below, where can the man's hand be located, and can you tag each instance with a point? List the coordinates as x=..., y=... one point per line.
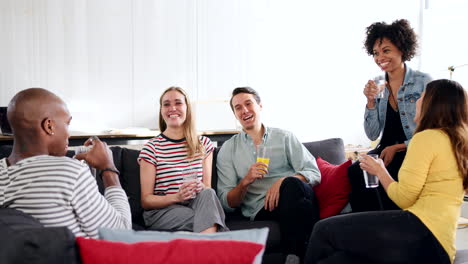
x=99, y=156
x=272, y=195
x=256, y=171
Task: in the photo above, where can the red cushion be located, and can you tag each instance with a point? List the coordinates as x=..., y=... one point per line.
x=174, y=251
x=333, y=191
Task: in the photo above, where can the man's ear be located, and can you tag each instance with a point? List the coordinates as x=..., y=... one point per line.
x=48, y=125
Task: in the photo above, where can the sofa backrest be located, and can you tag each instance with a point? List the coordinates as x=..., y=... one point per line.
x=331, y=150
x=125, y=161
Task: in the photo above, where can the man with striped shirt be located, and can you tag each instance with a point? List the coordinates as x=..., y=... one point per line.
x=39, y=180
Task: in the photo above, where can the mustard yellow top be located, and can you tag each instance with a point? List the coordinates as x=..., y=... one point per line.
x=430, y=186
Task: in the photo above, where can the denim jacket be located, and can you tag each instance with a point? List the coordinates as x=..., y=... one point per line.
x=414, y=84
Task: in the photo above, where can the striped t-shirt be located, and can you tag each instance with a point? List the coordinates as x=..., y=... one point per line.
x=60, y=191
x=169, y=157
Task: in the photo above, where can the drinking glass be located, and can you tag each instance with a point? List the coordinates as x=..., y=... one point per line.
x=380, y=82
x=81, y=149
x=263, y=155
x=189, y=178
x=371, y=180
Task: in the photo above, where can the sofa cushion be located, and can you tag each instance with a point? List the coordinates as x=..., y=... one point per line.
x=237, y=222
x=126, y=162
x=333, y=191
x=258, y=235
x=461, y=257
x=331, y=150
x=174, y=251
x=131, y=181
x=25, y=240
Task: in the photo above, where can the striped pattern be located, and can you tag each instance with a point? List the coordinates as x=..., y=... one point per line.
x=60, y=191
x=170, y=159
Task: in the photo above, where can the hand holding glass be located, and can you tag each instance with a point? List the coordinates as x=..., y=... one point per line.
x=380, y=82
x=190, y=178
x=371, y=180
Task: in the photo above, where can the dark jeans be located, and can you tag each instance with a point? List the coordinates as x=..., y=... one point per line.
x=374, y=237
x=372, y=199
x=297, y=212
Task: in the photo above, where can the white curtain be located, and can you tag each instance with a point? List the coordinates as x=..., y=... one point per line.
x=111, y=59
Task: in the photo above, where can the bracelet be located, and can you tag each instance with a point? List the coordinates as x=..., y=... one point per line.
x=109, y=169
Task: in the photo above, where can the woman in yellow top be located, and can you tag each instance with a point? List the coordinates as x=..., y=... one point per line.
x=430, y=189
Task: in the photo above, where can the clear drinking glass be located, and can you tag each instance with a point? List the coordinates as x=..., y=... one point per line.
x=371, y=180
x=190, y=177
x=82, y=149
x=263, y=154
x=380, y=82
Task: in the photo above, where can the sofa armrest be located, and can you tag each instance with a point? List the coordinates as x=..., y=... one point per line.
x=25, y=240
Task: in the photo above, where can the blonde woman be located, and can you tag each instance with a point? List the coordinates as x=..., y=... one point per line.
x=171, y=203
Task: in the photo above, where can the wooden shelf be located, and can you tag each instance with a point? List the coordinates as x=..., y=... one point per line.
x=112, y=138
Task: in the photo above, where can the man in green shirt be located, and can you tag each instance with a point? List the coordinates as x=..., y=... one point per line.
x=280, y=190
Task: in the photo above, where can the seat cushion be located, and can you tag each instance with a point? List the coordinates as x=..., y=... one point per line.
x=235, y=221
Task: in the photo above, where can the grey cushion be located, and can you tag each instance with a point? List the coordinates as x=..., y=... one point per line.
x=25, y=240
x=126, y=162
x=461, y=257
x=331, y=150
x=129, y=236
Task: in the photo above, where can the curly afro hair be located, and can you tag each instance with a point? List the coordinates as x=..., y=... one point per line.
x=399, y=33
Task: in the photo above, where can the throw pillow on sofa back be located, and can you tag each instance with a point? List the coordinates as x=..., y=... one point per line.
x=333, y=191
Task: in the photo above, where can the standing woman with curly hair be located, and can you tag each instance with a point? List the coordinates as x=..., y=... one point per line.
x=430, y=188
x=392, y=116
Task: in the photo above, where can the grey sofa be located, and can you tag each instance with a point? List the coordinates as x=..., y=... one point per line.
x=331, y=150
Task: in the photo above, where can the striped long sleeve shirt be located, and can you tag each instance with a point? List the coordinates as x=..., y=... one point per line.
x=60, y=191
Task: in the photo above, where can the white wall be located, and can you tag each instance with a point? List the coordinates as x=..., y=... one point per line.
x=111, y=59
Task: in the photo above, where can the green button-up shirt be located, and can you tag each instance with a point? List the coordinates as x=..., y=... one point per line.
x=288, y=157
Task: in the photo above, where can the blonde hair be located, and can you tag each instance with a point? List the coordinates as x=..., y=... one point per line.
x=194, y=146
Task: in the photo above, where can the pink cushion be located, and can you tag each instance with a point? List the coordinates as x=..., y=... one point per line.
x=174, y=251
x=333, y=191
